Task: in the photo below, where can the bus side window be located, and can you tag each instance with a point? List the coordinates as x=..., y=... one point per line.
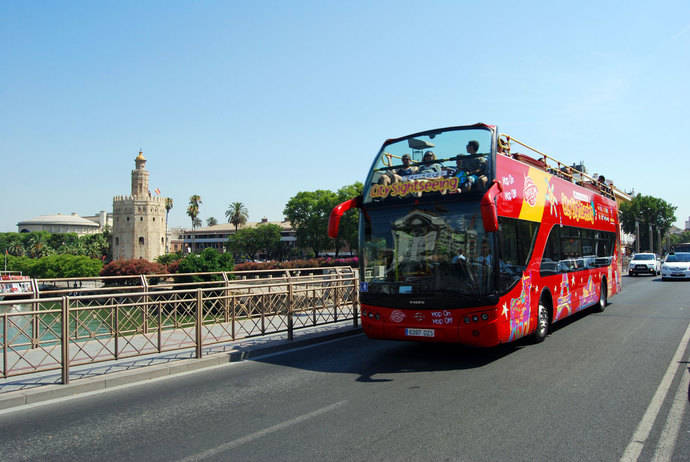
x=550, y=261
x=516, y=242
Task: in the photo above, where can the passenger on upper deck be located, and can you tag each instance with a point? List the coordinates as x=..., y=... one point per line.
x=472, y=171
x=407, y=168
x=429, y=163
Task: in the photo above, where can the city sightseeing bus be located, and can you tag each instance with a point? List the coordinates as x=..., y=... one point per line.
x=464, y=239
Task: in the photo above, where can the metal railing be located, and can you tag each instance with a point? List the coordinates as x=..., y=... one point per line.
x=95, y=321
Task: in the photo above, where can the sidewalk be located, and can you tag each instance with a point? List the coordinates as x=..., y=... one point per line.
x=42, y=386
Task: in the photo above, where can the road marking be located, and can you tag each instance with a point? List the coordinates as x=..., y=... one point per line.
x=261, y=433
x=669, y=435
x=632, y=452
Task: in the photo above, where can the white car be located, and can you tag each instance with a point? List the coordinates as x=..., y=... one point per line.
x=676, y=266
x=644, y=263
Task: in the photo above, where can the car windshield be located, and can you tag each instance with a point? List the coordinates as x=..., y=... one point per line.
x=678, y=257
x=646, y=256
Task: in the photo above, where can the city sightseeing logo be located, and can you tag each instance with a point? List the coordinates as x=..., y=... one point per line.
x=576, y=209
x=412, y=187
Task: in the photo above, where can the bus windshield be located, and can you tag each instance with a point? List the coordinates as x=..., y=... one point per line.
x=447, y=161
x=438, y=251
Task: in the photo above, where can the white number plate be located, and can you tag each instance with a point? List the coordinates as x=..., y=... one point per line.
x=419, y=332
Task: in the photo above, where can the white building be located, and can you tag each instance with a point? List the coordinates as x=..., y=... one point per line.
x=59, y=224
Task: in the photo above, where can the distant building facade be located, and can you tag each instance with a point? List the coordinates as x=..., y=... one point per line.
x=687, y=225
x=59, y=224
x=72, y=223
x=216, y=236
x=139, y=219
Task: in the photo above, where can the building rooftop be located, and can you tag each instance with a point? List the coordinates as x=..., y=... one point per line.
x=58, y=219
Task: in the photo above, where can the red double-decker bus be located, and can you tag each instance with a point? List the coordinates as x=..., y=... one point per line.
x=465, y=239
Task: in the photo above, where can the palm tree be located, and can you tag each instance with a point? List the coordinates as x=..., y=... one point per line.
x=168, y=207
x=211, y=221
x=237, y=214
x=193, y=212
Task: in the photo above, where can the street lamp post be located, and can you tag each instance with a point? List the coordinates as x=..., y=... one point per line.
x=637, y=236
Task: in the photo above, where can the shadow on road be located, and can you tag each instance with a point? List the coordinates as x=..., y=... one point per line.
x=369, y=358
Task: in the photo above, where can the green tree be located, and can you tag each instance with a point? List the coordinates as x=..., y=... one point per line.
x=193, y=212
x=237, y=214
x=251, y=241
x=209, y=260
x=680, y=238
x=647, y=210
x=65, y=266
x=308, y=212
x=211, y=221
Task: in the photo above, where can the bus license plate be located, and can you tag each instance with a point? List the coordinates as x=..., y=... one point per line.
x=419, y=332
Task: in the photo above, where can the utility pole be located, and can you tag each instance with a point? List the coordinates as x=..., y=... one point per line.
x=637, y=235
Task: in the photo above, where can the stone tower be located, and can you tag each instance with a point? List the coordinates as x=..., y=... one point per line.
x=138, y=219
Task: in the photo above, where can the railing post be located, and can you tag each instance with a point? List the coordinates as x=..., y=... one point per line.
x=5, y=341
x=117, y=331
x=263, y=314
x=65, y=340
x=160, y=327
x=355, y=298
x=35, y=307
x=335, y=296
x=226, y=298
x=290, y=326
x=145, y=310
x=199, y=321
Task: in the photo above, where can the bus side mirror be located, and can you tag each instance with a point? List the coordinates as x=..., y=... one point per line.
x=489, y=208
x=337, y=213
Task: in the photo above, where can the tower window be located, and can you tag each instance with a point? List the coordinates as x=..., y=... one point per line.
x=117, y=241
x=141, y=241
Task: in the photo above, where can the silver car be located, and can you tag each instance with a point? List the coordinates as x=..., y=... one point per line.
x=676, y=266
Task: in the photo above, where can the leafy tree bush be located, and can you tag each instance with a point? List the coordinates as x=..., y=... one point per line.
x=308, y=212
x=250, y=241
x=647, y=210
x=130, y=268
x=55, y=266
x=209, y=260
x=41, y=244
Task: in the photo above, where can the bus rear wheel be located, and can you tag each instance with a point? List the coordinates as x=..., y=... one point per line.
x=542, y=323
x=603, y=298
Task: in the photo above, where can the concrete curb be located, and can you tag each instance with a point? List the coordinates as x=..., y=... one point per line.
x=104, y=382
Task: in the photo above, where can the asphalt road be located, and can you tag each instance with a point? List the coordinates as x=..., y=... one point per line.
x=602, y=387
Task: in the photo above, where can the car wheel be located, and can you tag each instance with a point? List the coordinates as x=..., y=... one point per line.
x=603, y=298
x=542, y=323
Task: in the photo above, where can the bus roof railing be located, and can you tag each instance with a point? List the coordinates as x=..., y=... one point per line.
x=556, y=167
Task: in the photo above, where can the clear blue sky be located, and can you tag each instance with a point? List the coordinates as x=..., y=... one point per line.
x=256, y=101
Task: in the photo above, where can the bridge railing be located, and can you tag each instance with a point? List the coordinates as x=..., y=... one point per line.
x=96, y=321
